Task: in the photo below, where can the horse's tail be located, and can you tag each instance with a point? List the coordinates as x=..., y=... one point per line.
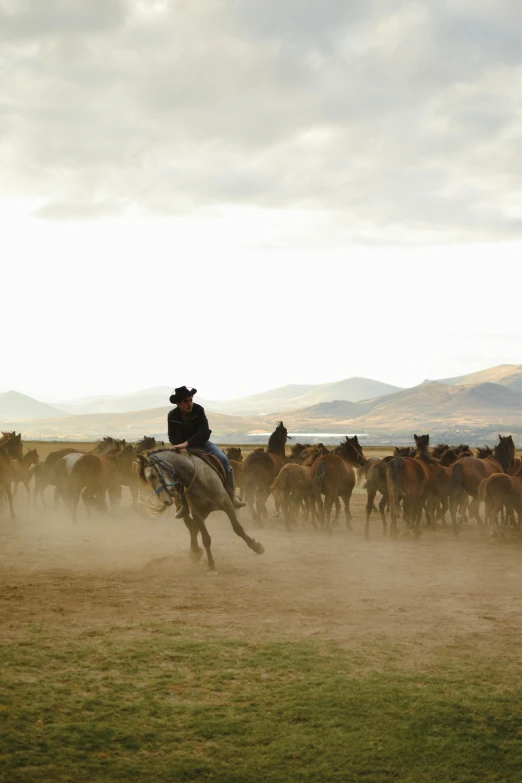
x=483, y=491
x=362, y=471
x=456, y=479
x=394, y=481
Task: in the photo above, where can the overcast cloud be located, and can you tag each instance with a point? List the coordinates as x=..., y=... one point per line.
x=383, y=121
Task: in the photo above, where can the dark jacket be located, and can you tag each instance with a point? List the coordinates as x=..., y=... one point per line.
x=195, y=431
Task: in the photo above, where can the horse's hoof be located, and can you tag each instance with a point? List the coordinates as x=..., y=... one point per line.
x=259, y=548
x=212, y=572
x=196, y=554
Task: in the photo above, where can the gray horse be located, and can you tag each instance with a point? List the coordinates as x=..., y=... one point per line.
x=164, y=470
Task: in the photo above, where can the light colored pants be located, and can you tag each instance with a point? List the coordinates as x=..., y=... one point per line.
x=216, y=451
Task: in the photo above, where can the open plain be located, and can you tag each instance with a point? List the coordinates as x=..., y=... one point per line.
x=327, y=658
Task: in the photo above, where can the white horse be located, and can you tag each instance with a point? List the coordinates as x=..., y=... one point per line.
x=165, y=470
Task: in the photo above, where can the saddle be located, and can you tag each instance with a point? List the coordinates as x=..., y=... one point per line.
x=212, y=461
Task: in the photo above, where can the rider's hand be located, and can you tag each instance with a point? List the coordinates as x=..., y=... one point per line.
x=179, y=446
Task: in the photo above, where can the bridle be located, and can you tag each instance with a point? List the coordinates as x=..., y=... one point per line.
x=158, y=464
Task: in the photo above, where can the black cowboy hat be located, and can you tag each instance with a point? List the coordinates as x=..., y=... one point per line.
x=181, y=393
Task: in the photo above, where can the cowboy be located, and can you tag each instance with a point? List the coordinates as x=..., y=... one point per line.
x=188, y=429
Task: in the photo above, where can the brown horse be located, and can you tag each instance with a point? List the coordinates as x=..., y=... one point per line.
x=468, y=472
x=22, y=471
x=10, y=449
x=125, y=461
x=333, y=477
x=294, y=485
x=410, y=479
x=260, y=470
x=497, y=491
x=376, y=482
x=90, y=477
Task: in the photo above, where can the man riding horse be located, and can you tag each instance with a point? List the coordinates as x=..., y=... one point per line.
x=188, y=429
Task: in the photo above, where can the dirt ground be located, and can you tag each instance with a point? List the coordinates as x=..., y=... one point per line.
x=127, y=570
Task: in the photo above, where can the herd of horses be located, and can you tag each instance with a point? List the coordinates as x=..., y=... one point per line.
x=413, y=481
x=311, y=481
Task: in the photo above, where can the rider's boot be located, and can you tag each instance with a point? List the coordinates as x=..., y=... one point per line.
x=183, y=508
x=230, y=487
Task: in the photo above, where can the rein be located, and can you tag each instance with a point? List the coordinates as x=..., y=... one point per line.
x=157, y=463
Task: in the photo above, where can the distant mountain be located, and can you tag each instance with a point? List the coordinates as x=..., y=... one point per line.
x=431, y=404
x=19, y=407
x=295, y=396
x=504, y=374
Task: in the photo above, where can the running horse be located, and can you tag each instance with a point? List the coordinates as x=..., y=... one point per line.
x=10, y=449
x=260, y=469
x=468, y=472
x=162, y=471
x=410, y=479
x=333, y=476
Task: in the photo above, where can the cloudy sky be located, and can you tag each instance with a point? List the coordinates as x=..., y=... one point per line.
x=241, y=194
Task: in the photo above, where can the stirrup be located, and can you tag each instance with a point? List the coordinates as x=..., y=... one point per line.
x=238, y=503
x=182, y=510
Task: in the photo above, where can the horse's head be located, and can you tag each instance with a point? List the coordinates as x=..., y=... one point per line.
x=147, y=443
x=505, y=451
x=12, y=445
x=350, y=451
x=234, y=453
x=403, y=451
x=449, y=457
x=422, y=442
x=483, y=452
x=439, y=449
x=277, y=439
x=32, y=457
x=151, y=477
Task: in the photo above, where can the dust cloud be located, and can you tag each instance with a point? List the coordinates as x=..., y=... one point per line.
x=127, y=569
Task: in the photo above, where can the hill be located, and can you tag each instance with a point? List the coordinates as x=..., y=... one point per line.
x=15, y=406
x=430, y=405
x=504, y=374
x=294, y=396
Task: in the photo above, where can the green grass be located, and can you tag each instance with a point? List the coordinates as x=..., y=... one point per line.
x=152, y=705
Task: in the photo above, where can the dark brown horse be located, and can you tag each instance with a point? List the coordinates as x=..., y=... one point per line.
x=294, y=486
x=260, y=470
x=91, y=477
x=376, y=482
x=333, y=477
x=10, y=449
x=468, y=472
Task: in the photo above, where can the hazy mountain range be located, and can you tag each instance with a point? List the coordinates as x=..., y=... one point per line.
x=478, y=403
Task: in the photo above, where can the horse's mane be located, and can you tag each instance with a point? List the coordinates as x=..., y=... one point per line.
x=484, y=451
